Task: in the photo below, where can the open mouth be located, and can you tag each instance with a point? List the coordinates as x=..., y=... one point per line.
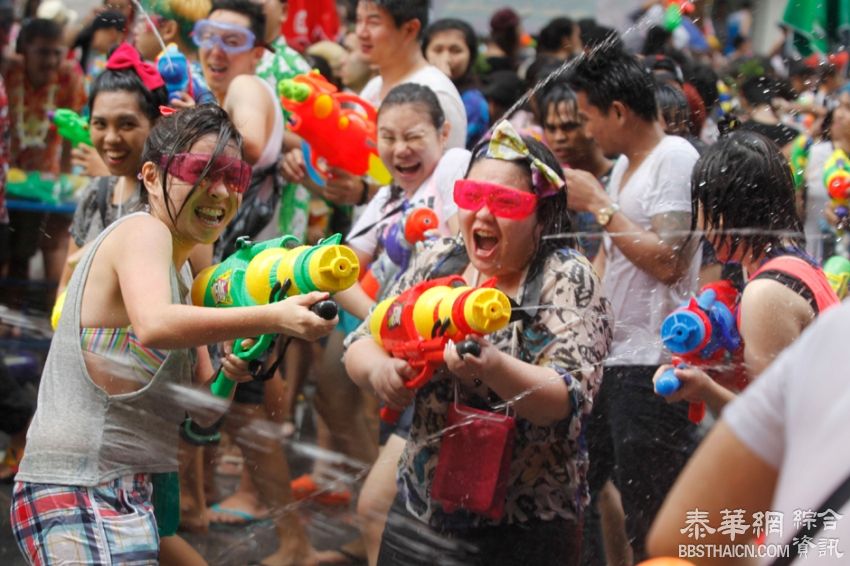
x=210, y=216
x=217, y=69
x=485, y=242
x=115, y=157
x=408, y=170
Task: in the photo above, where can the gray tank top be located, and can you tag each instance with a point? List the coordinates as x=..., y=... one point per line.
x=82, y=436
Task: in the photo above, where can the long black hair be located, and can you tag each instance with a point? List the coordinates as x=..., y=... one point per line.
x=553, y=216
x=127, y=80
x=177, y=133
x=743, y=182
x=468, y=79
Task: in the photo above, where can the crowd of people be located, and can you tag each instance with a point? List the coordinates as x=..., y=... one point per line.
x=594, y=183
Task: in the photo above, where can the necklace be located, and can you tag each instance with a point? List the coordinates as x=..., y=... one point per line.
x=32, y=129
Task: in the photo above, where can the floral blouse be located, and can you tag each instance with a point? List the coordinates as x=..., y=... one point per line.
x=571, y=334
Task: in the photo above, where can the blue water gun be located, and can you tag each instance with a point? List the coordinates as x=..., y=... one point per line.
x=701, y=332
x=175, y=70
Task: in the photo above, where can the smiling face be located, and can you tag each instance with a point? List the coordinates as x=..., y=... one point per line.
x=200, y=215
x=409, y=144
x=119, y=130
x=221, y=67
x=499, y=247
x=448, y=50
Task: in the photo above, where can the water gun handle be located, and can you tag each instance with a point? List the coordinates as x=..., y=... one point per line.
x=326, y=309
x=468, y=347
x=352, y=98
x=668, y=384
x=391, y=416
x=223, y=385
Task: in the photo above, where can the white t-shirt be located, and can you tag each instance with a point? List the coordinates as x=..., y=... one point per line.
x=662, y=183
x=436, y=193
x=817, y=199
x=795, y=417
x=446, y=92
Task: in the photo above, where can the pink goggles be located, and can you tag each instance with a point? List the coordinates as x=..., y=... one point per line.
x=189, y=167
x=501, y=201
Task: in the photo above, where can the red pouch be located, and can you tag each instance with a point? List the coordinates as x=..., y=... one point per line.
x=474, y=461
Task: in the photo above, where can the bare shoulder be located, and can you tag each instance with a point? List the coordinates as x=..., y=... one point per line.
x=247, y=87
x=139, y=232
x=767, y=301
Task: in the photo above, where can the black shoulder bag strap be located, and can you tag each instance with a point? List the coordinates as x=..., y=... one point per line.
x=834, y=502
x=102, y=198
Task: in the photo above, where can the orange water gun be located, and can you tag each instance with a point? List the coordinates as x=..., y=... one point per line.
x=333, y=136
x=416, y=325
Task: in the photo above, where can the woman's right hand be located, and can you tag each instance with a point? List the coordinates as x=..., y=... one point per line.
x=387, y=379
x=86, y=157
x=298, y=321
x=292, y=166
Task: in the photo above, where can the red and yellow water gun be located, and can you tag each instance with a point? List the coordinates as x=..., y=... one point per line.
x=416, y=325
x=333, y=136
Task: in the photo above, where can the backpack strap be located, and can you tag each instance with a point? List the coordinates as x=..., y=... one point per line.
x=102, y=198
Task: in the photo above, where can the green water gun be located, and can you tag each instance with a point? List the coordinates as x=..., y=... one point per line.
x=72, y=126
x=270, y=271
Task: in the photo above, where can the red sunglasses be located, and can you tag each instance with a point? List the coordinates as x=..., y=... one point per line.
x=501, y=201
x=189, y=167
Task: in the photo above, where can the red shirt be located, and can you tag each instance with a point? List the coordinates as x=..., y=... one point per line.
x=36, y=146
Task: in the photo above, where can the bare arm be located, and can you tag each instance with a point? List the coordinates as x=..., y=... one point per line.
x=772, y=316
x=722, y=474
x=664, y=251
x=140, y=256
x=250, y=107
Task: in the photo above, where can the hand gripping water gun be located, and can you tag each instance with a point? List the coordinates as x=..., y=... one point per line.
x=416, y=325
x=333, y=136
x=175, y=71
x=836, y=177
x=415, y=225
x=270, y=271
x=837, y=271
x=700, y=332
x=71, y=126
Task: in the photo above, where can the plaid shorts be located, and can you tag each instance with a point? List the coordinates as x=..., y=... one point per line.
x=112, y=523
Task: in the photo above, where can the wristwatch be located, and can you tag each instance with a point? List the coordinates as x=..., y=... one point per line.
x=603, y=217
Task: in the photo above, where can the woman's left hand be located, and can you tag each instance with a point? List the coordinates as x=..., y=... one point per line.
x=235, y=368
x=86, y=157
x=470, y=367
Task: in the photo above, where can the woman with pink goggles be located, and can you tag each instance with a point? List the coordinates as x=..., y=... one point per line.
x=544, y=369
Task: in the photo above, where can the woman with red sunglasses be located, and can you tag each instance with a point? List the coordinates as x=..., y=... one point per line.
x=544, y=368
x=118, y=380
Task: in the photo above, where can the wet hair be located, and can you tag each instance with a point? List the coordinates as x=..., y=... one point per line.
x=37, y=28
x=251, y=10
x=608, y=74
x=467, y=79
x=673, y=105
x=557, y=92
x=552, y=35
x=127, y=80
x=402, y=11
x=417, y=94
x=553, y=216
x=744, y=182
x=656, y=41
x=176, y=133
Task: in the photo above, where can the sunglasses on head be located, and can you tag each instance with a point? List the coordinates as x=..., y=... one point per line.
x=189, y=167
x=501, y=201
x=231, y=38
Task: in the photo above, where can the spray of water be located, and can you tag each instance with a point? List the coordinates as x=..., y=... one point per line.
x=154, y=29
